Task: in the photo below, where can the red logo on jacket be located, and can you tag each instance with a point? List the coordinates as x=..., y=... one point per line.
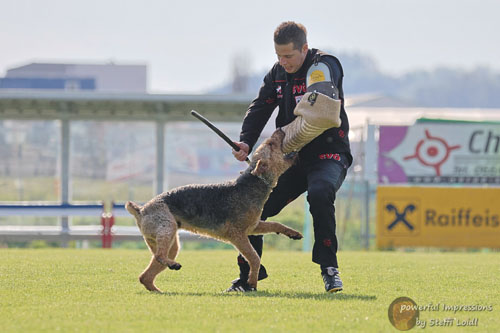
x=299, y=88
x=335, y=157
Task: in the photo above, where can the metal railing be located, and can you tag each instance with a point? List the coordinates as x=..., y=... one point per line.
x=107, y=232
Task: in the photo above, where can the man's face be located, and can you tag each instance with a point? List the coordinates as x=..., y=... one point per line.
x=289, y=58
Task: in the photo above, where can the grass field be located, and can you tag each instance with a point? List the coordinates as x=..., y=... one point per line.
x=97, y=290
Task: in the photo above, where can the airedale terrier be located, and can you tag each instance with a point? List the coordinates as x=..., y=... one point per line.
x=228, y=212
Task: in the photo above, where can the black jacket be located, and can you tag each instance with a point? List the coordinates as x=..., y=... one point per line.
x=285, y=90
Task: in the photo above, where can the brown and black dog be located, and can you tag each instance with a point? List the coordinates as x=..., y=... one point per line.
x=228, y=212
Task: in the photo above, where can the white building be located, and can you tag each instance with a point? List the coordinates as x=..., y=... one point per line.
x=88, y=77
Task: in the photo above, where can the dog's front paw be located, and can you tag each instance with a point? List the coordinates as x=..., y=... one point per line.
x=295, y=235
x=175, y=266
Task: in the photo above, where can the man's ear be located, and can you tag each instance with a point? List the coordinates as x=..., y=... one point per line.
x=260, y=168
x=305, y=48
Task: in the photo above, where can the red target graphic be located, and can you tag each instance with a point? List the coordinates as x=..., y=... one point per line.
x=432, y=151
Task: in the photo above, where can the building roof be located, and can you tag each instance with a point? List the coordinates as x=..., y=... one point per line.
x=75, y=105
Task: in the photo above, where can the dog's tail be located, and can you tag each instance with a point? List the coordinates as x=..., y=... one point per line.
x=133, y=209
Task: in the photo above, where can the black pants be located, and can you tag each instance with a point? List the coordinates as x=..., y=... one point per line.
x=321, y=178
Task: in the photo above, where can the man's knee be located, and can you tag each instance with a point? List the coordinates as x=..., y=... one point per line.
x=320, y=193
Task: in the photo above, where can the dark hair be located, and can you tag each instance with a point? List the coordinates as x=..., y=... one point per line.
x=291, y=32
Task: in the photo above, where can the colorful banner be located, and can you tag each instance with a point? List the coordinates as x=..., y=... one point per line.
x=439, y=153
x=438, y=217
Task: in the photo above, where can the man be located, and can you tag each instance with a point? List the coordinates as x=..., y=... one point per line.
x=322, y=164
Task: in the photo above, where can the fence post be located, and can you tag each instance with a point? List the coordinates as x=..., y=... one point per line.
x=65, y=174
x=160, y=156
x=369, y=176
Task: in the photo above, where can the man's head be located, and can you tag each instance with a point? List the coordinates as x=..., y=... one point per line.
x=290, y=43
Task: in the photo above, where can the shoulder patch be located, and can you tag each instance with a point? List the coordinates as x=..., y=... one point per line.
x=318, y=72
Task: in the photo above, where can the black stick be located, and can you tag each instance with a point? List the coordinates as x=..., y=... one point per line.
x=217, y=131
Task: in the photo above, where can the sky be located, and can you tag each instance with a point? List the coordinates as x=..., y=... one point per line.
x=189, y=46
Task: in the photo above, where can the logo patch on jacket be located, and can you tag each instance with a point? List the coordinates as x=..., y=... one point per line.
x=299, y=88
x=335, y=157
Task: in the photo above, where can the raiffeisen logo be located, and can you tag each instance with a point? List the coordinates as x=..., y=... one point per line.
x=400, y=217
x=432, y=151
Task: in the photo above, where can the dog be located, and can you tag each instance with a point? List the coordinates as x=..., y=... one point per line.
x=227, y=211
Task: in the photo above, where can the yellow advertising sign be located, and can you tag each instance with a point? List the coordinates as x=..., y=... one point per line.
x=440, y=217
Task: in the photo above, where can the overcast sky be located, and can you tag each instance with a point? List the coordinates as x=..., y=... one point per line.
x=189, y=45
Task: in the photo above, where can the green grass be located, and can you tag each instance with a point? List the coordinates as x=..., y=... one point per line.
x=97, y=290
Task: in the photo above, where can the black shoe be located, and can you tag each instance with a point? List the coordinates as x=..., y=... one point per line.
x=241, y=286
x=332, y=280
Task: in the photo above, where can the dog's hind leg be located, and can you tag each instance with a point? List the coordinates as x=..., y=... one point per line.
x=166, y=239
x=243, y=245
x=163, y=248
x=147, y=278
x=154, y=268
x=264, y=227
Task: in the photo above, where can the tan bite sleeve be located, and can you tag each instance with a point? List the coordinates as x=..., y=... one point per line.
x=315, y=114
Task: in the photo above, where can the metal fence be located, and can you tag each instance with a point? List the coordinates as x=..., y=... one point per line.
x=115, y=162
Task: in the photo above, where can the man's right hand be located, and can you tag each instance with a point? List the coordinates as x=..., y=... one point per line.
x=242, y=154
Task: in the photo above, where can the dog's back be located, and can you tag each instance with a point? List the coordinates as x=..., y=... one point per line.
x=211, y=206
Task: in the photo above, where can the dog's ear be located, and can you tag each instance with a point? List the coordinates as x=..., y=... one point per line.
x=260, y=168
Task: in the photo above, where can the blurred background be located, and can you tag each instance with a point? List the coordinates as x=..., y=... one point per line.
x=95, y=99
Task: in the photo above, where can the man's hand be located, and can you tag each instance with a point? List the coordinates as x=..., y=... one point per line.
x=242, y=154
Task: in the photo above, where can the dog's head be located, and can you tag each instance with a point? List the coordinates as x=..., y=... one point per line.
x=269, y=161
